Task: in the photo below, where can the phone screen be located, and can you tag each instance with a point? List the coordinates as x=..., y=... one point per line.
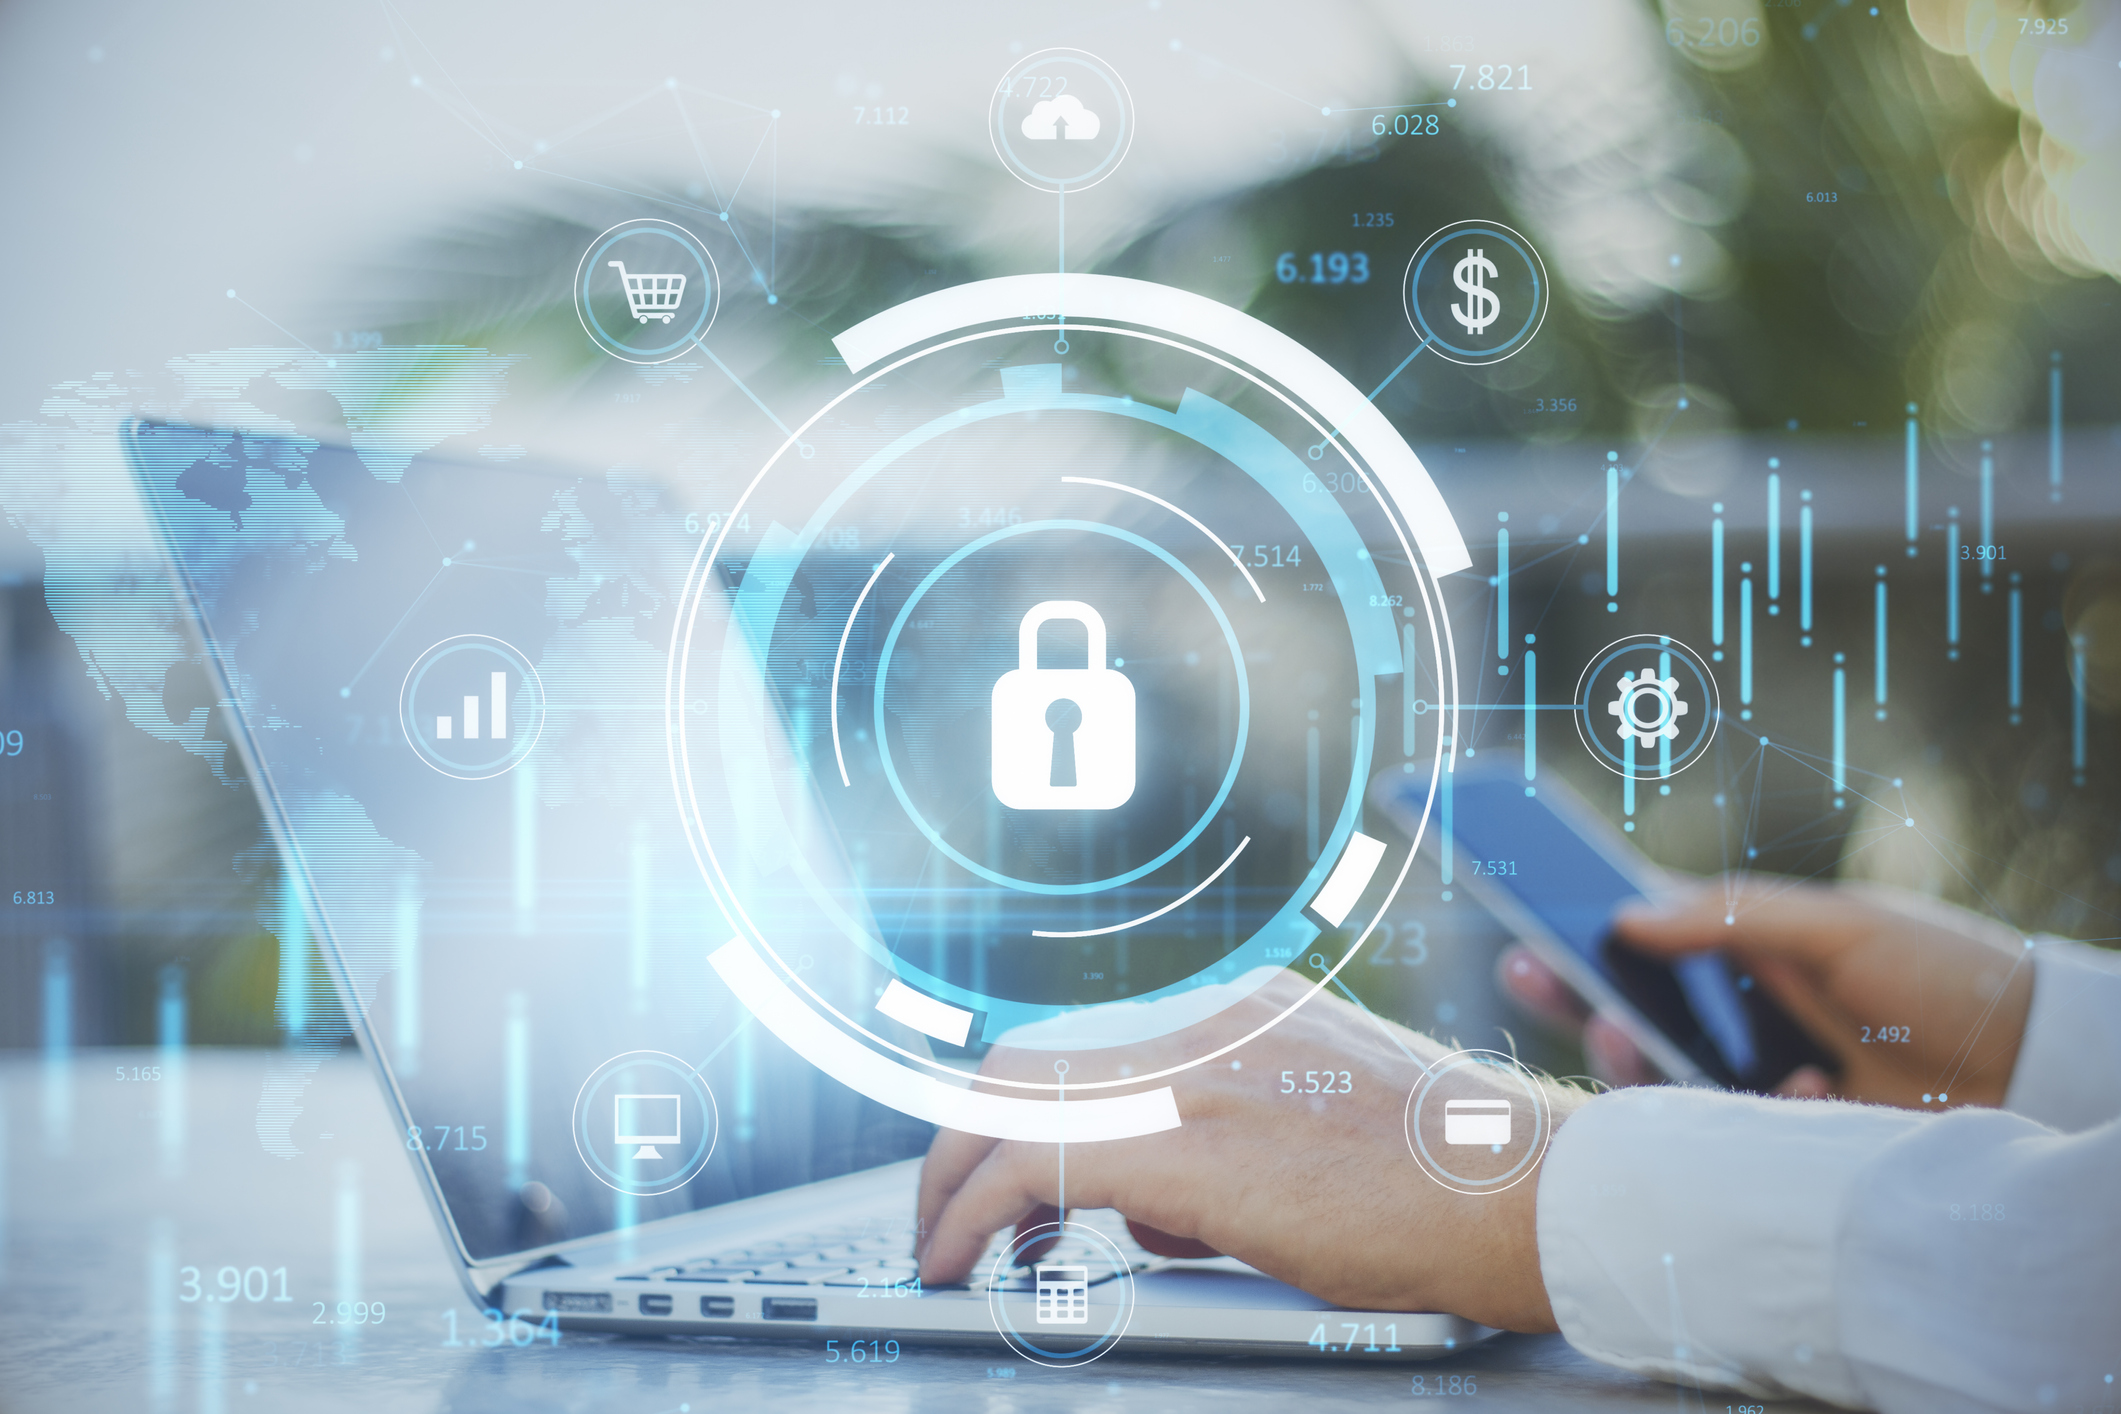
x=1520, y=845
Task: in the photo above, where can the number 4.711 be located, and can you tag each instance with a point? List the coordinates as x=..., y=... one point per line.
x=1354, y=1331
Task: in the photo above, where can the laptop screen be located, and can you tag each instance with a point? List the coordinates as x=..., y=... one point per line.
x=523, y=930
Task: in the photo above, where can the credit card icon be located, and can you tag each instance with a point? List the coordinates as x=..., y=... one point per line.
x=1476, y=1122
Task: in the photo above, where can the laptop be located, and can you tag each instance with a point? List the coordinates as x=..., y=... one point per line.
x=519, y=936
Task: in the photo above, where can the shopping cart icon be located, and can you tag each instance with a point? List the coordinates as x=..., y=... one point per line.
x=1063, y=1294
x=650, y=296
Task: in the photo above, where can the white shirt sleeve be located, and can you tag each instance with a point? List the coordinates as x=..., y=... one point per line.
x=1876, y=1258
x=2068, y=1073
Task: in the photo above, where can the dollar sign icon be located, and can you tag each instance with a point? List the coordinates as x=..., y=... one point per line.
x=1481, y=308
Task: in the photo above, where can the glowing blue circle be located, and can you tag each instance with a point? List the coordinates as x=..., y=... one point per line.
x=709, y=295
x=1532, y=316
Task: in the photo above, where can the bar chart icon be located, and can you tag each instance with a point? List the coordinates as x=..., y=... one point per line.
x=496, y=716
x=472, y=706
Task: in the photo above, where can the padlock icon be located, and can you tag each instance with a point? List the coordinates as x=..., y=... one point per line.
x=1063, y=738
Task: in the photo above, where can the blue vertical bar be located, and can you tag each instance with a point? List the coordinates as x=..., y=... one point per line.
x=939, y=926
x=2017, y=649
x=1531, y=714
x=294, y=958
x=1406, y=694
x=1612, y=535
x=1311, y=790
x=1951, y=582
x=989, y=907
x=1229, y=884
x=2076, y=707
x=1664, y=743
x=2054, y=427
x=213, y=1358
x=1914, y=481
x=162, y=1290
x=1745, y=639
x=1988, y=513
x=346, y=1264
x=169, y=1010
x=1716, y=577
x=1450, y=751
x=1774, y=537
x=625, y=1215
x=169, y=1042
x=1502, y=594
x=526, y=846
x=407, y=1030
x=1627, y=779
x=58, y=1000
x=747, y=1107
x=516, y=1057
x=1841, y=731
x=58, y=1045
x=1804, y=564
x=1880, y=656
x=638, y=917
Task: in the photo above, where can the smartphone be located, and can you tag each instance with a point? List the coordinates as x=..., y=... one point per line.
x=1553, y=872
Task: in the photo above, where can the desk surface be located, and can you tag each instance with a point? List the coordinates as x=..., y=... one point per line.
x=99, y=1219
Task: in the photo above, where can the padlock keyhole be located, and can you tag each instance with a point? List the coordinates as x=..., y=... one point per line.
x=1062, y=718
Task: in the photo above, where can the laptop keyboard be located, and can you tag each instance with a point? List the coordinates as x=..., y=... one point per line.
x=877, y=1255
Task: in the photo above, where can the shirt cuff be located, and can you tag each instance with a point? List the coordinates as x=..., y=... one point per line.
x=2068, y=1074
x=1691, y=1234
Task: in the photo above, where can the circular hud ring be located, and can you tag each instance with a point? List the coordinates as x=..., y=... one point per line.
x=777, y=696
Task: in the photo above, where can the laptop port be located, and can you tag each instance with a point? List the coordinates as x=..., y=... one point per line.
x=654, y=1305
x=787, y=1308
x=718, y=1305
x=587, y=1301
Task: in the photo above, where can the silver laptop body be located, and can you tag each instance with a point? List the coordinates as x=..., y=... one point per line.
x=489, y=940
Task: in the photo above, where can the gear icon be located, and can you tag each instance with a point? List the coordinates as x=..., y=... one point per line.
x=1660, y=695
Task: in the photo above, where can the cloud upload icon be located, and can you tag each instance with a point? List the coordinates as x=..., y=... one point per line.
x=1064, y=116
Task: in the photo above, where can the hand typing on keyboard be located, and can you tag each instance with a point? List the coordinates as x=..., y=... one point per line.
x=1317, y=1190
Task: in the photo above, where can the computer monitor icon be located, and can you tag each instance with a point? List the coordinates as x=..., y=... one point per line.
x=646, y=1120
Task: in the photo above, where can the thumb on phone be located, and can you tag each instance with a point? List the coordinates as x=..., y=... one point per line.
x=1786, y=935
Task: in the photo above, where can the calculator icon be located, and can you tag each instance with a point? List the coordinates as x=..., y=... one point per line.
x=1063, y=1294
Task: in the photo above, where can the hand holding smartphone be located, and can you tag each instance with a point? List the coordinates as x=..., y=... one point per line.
x=1554, y=873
